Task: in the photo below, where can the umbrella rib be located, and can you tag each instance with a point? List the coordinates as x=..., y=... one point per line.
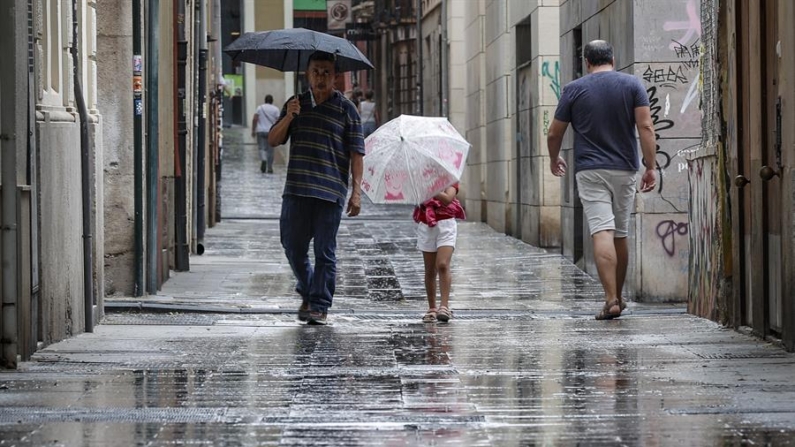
x=411, y=176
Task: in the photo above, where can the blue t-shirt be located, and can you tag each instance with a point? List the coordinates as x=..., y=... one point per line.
x=601, y=110
x=321, y=141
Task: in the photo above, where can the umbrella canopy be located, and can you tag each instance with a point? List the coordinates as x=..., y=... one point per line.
x=289, y=49
x=412, y=158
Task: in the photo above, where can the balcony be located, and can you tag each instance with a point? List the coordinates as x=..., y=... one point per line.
x=389, y=13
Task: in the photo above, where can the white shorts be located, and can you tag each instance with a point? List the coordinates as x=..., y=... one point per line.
x=429, y=239
x=608, y=198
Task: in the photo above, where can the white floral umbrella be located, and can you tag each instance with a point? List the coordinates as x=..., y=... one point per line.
x=412, y=158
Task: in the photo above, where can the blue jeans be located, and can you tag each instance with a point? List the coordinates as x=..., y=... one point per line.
x=304, y=219
x=265, y=149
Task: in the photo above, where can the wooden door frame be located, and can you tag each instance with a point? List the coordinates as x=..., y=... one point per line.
x=786, y=17
x=733, y=102
x=750, y=161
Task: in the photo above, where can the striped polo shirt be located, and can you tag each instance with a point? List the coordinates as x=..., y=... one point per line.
x=321, y=140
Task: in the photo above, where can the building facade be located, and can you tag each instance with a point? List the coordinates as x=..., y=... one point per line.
x=52, y=240
x=513, y=84
x=113, y=115
x=742, y=261
x=516, y=69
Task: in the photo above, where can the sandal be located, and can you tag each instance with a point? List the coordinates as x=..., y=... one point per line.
x=429, y=316
x=444, y=314
x=606, y=314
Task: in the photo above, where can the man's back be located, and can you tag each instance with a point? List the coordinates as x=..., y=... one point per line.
x=268, y=114
x=601, y=109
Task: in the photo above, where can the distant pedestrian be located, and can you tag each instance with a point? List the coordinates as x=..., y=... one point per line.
x=356, y=97
x=604, y=108
x=266, y=116
x=326, y=145
x=369, y=113
x=437, y=231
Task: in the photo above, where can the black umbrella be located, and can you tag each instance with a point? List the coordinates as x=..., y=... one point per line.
x=289, y=49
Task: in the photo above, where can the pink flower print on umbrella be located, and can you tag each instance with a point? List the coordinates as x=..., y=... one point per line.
x=451, y=155
x=394, y=181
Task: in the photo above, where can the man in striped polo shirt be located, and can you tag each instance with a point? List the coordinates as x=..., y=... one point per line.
x=326, y=145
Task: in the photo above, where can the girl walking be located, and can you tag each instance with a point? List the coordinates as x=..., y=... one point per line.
x=436, y=235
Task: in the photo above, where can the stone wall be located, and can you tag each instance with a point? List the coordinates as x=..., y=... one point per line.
x=59, y=171
x=114, y=74
x=536, y=27
x=513, y=84
x=60, y=204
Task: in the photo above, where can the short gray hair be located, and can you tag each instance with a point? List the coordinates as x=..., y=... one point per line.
x=598, y=52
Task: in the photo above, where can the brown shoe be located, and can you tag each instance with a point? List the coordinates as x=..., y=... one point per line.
x=303, y=311
x=317, y=318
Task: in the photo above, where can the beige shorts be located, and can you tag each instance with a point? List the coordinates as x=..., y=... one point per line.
x=429, y=239
x=608, y=197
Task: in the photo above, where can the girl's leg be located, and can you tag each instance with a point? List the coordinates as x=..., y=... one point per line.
x=443, y=258
x=430, y=278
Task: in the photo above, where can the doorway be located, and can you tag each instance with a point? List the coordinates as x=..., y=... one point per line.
x=759, y=293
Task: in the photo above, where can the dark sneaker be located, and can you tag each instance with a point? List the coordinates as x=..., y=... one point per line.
x=303, y=311
x=317, y=318
x=263, y=166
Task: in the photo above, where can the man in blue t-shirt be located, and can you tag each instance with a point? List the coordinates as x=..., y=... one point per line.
x=326, y=146
x=604, y=109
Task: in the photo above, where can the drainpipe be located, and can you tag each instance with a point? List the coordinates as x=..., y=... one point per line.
x=88, y=264
x=420, y=105
x=444, y=62
x=152, y=159
x=201, y=141
x=180, y=182
x=138, y=147
x=12, y=136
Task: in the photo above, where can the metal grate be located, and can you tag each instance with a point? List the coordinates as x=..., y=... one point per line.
x=741, y=355
x=159, y=415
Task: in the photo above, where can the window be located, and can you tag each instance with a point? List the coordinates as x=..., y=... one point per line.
x=578, y=56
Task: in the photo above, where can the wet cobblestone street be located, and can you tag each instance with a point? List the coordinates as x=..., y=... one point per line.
x=217, y=358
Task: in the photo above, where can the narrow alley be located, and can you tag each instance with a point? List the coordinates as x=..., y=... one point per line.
x=217, y=358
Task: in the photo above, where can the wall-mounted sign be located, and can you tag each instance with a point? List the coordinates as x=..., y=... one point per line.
x=309, y=5
x=360, y=31
x=339, y=14
x=233, y=85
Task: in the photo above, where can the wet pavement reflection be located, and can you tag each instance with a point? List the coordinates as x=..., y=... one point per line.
x=522, y=362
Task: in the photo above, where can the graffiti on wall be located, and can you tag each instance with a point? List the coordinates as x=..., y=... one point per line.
x=551, y=73
x=691, y=26
x=524, y=104
x=706, y=236
x=673, y=88
x=667, y=231
x=546, y=122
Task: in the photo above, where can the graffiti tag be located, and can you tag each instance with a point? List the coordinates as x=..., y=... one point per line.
x=660, y=125
x=669, y=77
x=691, y=26
x=554, y=75
x=667, y=231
